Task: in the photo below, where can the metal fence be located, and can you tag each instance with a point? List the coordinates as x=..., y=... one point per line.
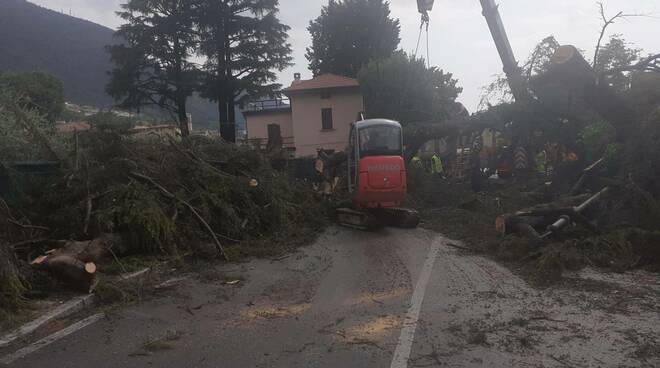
x=274, y=104
x=28, y=171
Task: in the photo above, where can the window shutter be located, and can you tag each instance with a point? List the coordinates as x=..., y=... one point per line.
x=326, y=119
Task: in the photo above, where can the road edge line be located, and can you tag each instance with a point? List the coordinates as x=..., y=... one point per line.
x=8, y=359
x=404, y=346
x=68, y=308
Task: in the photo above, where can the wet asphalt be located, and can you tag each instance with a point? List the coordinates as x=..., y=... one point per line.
x=342, y=302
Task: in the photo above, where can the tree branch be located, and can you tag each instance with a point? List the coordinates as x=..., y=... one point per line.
x=606, y=23
x=190, y=207
x=649, y=64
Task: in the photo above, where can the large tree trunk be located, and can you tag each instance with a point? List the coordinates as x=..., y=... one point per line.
x=183, y=119
x=225, y=87
x=80, y=275
x=180, y=94
x=570, y=68
x=227, y=124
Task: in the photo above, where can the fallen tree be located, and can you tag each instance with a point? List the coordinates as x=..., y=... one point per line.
x=147, y=195
x=570, y=68
x=542, y=221
x=535, y=210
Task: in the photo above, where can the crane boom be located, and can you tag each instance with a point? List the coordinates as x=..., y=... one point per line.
x=492, y=14
x=511, y=68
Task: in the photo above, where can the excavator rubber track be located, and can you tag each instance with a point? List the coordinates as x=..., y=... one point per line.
x=377, y=218
x=360, y=220
x=398, y=217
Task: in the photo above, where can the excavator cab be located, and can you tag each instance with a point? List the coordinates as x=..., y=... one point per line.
x=377, y=173
x=377, y=176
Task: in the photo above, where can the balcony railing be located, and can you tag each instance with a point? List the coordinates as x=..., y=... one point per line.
x=262, y=143
x=263, y=105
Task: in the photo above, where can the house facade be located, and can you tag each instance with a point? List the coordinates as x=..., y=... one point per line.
x=317, y=115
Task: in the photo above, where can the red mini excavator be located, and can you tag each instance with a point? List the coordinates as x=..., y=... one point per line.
x=376, y=177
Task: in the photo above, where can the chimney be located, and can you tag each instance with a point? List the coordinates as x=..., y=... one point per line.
x=296, y=79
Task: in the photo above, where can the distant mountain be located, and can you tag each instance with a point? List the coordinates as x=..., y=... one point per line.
x=33, y=38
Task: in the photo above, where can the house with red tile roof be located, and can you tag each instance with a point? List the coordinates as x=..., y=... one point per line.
x=317, y=115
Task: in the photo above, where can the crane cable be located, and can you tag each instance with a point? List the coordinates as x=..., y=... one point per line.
x=428, y=54
x=425, y=22
x=419, y=38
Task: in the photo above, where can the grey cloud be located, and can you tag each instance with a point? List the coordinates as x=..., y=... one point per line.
x=459, y=39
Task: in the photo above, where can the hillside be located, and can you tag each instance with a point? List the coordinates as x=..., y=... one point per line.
x=33, y=38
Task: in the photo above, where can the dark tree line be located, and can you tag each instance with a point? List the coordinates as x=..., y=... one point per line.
x=359, y=38
x=226, y=50
x=240, y=42
x=37, y=91
x=351, y=33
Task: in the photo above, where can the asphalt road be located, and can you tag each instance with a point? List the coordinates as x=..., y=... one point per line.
x=396, y=298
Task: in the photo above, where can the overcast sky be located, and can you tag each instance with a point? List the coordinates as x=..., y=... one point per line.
x=459, y=39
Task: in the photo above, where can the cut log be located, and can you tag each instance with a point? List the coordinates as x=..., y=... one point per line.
x=524, y=225
x=586, y=174
x=549, y=218
x=78, y=274
x=96, y=250
x=38, y=261
x=330, y=169
x=75, y=261
x=90, y=267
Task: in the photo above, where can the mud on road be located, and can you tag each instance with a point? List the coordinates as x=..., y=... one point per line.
x=344, y=302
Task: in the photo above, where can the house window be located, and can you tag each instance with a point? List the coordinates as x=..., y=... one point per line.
x=325, y=95
x=326, y=119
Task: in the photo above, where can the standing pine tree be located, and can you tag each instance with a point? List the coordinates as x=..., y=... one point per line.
x=153, y=66
x=243, y=42
x=351, y=33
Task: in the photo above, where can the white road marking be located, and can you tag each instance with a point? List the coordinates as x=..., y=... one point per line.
x=63, y=310
x=50, y=339
x=404, y=347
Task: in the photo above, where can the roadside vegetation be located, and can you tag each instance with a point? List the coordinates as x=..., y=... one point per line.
x=110, y=200
x=138, y=195
x=623, y=229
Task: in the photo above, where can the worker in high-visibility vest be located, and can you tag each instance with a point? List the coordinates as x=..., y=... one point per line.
x=436, y=165
x=417, y=163
x=542, y=163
